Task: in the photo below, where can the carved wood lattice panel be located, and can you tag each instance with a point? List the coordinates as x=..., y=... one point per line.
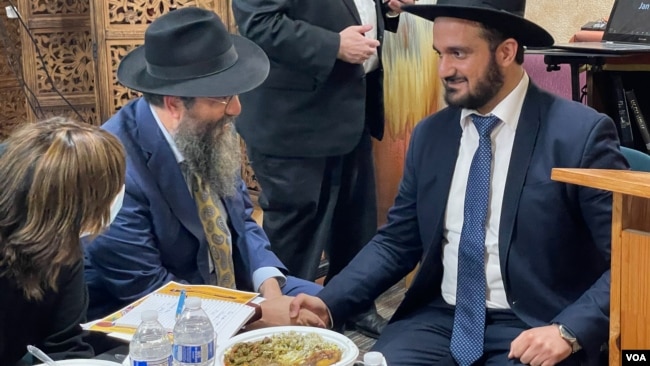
x=50, y=7
x=12, y=99
x=134, y=12
x=69, y=60
x=117, y=50
x=12, y=110
x=64, y=80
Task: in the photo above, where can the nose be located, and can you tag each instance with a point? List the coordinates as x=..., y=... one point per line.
x=234, y=107
x=445, y=67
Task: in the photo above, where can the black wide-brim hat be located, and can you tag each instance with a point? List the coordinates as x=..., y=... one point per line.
x=189, y=53
x=505, y=15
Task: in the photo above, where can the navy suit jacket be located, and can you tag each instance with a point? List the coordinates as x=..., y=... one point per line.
x=554, y=238
x=158, y=236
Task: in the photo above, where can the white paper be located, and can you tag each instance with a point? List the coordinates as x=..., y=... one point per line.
x=227, y=317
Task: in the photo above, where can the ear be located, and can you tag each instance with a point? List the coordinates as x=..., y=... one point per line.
x=174, y=106
x=507, y=52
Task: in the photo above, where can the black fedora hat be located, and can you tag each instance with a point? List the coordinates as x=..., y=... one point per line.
x=504, y=15
x=189, y=53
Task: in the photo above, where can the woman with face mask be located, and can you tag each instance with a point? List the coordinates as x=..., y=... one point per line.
x=59, y=181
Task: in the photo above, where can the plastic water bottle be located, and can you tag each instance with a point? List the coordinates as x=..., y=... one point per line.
x=373, y=359
x=150, y=345
x=194, y=337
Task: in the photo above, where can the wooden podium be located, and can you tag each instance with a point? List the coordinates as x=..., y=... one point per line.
x=629, y=327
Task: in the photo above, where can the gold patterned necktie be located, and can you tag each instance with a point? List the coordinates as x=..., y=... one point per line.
x=216, y=233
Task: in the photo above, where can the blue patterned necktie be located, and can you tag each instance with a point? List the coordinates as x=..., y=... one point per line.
x=469, y=318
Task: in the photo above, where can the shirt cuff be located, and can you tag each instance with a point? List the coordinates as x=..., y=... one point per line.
x=264, y=273
x=392, y=14
x=331, y=324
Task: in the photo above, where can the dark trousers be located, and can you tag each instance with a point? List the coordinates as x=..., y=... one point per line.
x=317, y=204
x=423, y=338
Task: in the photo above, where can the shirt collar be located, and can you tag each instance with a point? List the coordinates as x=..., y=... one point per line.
x=508, y=110
x=168, y=136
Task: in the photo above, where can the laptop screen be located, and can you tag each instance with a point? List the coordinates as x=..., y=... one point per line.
x=629, y=22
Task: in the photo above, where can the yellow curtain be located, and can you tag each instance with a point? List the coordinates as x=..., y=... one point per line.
x=411, y=92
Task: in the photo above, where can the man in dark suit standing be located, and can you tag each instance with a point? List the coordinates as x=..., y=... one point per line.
x=515, y=267
x=308, y=127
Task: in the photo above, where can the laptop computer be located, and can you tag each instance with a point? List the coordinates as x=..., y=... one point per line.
x=628, y=30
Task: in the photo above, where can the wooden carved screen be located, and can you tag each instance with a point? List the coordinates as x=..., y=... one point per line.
x=118, y=26
x=56, y=59
x=13, y=109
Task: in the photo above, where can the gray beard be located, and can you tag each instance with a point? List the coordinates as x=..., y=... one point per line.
x=212, y=151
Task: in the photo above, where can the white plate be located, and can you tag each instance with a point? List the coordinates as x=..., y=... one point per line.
x=84, y=362
x=349, y=349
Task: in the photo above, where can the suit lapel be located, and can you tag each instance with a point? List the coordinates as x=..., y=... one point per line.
x=353, y=9
x=522, y=151
x=380, y=18
x=162, y=164
x=443, y=153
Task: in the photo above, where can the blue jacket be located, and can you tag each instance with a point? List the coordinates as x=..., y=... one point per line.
x=554, y=238
x=157, y=236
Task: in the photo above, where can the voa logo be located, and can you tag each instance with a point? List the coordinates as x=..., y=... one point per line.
x=644, y=6
x=635, y=357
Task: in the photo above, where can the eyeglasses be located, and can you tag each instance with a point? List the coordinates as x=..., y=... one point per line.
x=222, y=100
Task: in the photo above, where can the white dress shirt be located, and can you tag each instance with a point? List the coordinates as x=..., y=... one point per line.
x=368, y=13
x=261, y=274
x=503, y=137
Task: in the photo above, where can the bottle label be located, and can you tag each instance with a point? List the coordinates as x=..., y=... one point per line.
x=162, y=362
x=193, y=354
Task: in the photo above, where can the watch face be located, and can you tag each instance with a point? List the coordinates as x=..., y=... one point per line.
x=575, y=347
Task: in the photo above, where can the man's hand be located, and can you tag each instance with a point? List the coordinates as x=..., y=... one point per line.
x=314, y=306
x=270, y=289
x=396, y=5
x=275, y=312
x=355, y=48
x=540, y=346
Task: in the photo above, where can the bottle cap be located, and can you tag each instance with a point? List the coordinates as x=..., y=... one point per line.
x=193, y=302
x=373, y=358
x=149, y=315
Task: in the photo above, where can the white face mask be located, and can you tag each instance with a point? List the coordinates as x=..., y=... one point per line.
x=116, y=206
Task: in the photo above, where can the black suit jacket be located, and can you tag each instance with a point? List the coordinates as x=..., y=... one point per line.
x=311, y=104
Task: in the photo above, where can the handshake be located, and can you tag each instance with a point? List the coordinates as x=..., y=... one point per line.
x=302, y=310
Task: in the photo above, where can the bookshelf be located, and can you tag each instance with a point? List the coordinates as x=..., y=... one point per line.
x=634, y=72
x=601, y=94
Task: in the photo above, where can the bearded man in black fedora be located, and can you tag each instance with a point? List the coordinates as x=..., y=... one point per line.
x=515, y=267
x=187, y=214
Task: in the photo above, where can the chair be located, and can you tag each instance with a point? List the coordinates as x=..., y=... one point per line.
x=638, y=160
x=557, y=81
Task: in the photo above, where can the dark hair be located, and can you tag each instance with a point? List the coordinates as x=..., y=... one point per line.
x=58, y=180
x=495, y=37
x=157, y=100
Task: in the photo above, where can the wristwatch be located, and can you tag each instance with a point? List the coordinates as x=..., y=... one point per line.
x=568, y=336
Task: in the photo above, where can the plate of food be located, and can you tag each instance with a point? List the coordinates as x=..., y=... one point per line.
x=288, y=346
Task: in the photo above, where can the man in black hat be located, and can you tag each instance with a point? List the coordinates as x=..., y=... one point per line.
x=515, y=267
x=187, y=214
x=308, y=127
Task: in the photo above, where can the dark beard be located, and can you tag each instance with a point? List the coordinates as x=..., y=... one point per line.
x=211, y=149
x=486, y=89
